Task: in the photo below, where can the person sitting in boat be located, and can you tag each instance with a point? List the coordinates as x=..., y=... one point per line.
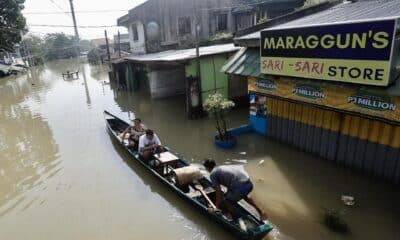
x=149, y=144
x=135, y=130
x=237, y=182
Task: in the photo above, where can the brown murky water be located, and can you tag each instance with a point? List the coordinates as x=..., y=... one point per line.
x=61, y=177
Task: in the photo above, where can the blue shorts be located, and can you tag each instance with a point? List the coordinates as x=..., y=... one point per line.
x=237, y=194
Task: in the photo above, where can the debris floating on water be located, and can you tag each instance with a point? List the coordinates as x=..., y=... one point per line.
x=242, y=153
x=333, y=219
x=348, y=200
x=261, y=162
x=239, y=160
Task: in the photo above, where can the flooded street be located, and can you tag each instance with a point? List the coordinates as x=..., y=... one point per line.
x=62, y=177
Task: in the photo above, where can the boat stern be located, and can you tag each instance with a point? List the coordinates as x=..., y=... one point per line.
x=260, y=231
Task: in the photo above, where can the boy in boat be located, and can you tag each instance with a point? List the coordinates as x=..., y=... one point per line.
x=135, y=130
x=238, y=183
x=149, y=144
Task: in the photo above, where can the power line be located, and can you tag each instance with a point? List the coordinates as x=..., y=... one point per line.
x=78, y=12
x=69, y=26
x=58, y=7
x=127, y=10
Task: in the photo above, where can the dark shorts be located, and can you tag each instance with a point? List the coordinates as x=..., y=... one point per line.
x=239, y=193
x=132, y=138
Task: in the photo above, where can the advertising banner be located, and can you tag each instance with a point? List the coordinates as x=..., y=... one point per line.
x=357, y=52
x=353, y=100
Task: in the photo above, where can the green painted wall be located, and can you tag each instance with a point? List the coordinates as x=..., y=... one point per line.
x=211, y=77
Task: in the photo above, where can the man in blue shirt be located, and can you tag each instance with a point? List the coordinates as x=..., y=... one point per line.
x=236, y=181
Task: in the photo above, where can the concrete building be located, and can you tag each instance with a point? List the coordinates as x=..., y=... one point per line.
x=174, y=72
x=101, y=45
x=158, y=25
x=347, y=117
x=123, y=43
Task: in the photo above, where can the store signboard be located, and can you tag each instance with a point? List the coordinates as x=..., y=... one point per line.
x=356, y=52
x=346, y=99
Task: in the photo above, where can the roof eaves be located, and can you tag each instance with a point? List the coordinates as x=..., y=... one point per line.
x=287, y=17
x=124, y=20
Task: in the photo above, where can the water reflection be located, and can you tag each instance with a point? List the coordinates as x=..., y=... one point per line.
x=88, y=101
x=28, y=152
x=59, y=169
x=292, y=186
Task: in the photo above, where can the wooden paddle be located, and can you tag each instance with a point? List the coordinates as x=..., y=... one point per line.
x=200, y=189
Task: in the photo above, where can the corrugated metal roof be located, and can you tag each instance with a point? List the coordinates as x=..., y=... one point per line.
x=246, y=62
x=347, y=11
x=185, y=54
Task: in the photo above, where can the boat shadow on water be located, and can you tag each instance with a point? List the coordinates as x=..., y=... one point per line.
x=212, y=231
x=170, y=169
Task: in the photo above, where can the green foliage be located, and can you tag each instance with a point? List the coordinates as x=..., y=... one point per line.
x=217, y=106
x=94, y=56
x=53, y=46
x=85, y=45
x=262, y=20
x=60, y=46
x=221, y=36
x=38, y=60
x=36, y=46
x=218, y=38
x=12, y=23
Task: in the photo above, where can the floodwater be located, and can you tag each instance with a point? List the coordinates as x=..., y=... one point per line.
x=62, y=177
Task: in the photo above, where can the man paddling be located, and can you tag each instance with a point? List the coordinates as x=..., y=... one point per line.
x=135, y=130
x=238, y=183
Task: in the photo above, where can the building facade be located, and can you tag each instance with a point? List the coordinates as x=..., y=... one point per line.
x=299, y=96
x=123, y=43
x=158, y=25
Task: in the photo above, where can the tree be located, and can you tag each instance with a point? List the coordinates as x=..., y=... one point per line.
x=12, y=23
x=60, y=46
x=36, y=47
x=85, y=45
x=93, y=57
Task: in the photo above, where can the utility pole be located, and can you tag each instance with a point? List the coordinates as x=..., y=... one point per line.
x=74, y=19
x=108, y=49
x=71, y=4
x=197, y=40
x=119, y=45
x=198, y=72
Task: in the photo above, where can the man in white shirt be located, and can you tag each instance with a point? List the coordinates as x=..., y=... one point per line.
x=149, y=144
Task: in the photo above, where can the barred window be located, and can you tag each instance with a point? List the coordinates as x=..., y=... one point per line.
x=184, y=25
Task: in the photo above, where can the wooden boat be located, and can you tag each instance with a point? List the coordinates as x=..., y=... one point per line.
x=200, y=195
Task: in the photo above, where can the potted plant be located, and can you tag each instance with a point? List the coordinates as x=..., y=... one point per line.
x=216, y=107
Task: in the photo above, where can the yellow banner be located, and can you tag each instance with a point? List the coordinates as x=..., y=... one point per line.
x=371, y=72
x=352, y=100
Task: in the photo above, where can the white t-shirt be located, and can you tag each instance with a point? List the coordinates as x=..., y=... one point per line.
x=144, y=141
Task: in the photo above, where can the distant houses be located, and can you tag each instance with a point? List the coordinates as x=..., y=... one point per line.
x=123, y=43
x=162, y=39
x=158, y=25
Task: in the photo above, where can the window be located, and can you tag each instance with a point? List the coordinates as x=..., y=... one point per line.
x=135, y=32
x=244, y=21
x=184, y=25
x=222, y=22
